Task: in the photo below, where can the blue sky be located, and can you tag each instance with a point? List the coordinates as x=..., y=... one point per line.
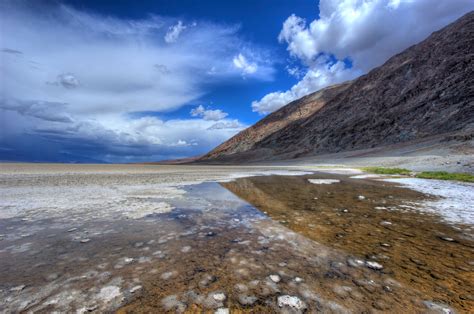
x=130, y=81
x=248, y=15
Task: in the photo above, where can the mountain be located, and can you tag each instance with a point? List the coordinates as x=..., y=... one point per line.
x=425, y=91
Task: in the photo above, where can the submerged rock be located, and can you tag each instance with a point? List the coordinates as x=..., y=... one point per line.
x=135, y=289
x=275, y=278
x=220, y=297
x=355, y=262
x=439, y=308
x=186, y=249
x=247, y=299
x=373, y=265
x=17, y=288
x=298, y=279
x=168, y=275
x=171, y=302
x=448, y=239
x=109, y=293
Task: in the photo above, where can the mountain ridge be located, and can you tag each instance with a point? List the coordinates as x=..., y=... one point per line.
x=426, y=90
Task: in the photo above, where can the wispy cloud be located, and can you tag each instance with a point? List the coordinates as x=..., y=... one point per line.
x=241, y=63
x=79, y=76
x=174, y=31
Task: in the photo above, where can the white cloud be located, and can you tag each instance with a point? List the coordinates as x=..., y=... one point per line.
x=174, y=31
x=208, y=114
x=367, y=32
x=319, y=76
x=241, y=63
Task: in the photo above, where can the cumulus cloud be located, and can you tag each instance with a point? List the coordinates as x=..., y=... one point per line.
x=366, y=32
x=241, y=63
x=75, y=81
x=319, y=76
x=208, y=114
x=174, y=31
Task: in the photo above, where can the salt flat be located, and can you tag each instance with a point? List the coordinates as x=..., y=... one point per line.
x=97, y=237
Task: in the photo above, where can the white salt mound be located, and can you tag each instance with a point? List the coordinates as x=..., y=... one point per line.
x=323, y=181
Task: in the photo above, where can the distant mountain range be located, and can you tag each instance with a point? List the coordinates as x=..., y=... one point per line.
x=427, y=90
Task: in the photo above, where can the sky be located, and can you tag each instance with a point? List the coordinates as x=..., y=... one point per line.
x=139, y=81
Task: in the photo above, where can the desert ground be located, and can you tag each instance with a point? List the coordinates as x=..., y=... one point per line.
x=262, y=238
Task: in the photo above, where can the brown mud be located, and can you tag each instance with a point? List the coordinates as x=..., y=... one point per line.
x=417, y=249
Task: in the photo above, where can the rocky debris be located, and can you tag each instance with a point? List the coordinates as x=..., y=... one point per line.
x=85, y=240
x=247, y=299
x=72, y=230
x=361, y=197
x=291, y=301
x=423, y=91
x=222, y=310
x=275, y=278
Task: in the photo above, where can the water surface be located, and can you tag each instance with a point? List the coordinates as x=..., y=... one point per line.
x=262, y=244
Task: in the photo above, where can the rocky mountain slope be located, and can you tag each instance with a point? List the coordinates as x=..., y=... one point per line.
x=426, y=90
